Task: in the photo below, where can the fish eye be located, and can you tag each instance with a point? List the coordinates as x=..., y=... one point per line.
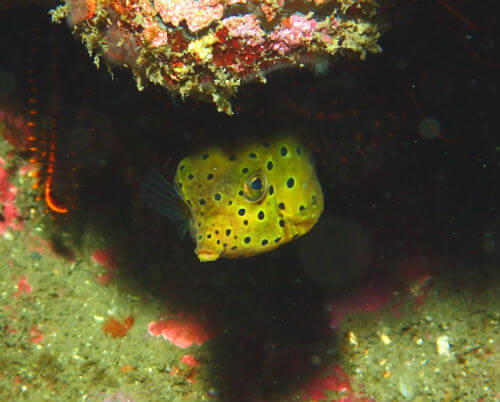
x=255, y=187
x=256, y=184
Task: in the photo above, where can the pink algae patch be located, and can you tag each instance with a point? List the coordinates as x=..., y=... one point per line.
x=109, y=258
x=9, y=212
x=369, y=298
x=332, y=379
x=182, y=332
x=35, y=335
x=190, y=360
x=411, y=281
x=23, y=287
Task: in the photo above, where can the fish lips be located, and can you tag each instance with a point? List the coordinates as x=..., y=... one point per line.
x=206, y=254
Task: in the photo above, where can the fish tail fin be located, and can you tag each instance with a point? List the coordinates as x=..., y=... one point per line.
x=161, y=196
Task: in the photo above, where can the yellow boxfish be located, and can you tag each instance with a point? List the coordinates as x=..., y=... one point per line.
x=242, y=201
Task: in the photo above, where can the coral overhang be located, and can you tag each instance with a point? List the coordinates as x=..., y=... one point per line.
x=208, y=48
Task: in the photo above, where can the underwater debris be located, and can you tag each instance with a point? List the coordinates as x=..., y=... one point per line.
x=208, y=48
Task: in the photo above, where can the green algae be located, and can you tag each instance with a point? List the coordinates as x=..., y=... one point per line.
x=75, y=360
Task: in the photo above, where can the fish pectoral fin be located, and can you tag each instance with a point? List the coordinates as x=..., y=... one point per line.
x=161, y=196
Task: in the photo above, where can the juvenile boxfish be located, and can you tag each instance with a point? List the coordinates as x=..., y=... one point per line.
x=242, y=201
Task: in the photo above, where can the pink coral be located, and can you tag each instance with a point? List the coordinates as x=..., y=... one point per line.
x=208, y=48
x=293, y=31
x=246, y=27
x=198, y=14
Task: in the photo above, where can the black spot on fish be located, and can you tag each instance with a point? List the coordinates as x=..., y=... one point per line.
x=301, y=208
x=199, y=224
x=261, y=215
x=234, y=247
x=269, y=165
x=190, y=177
x=282, y=222
x=298, y=151
x=210, y=176
x=245, y=170
x=277, y=239
x=245, y=222
x=216, y=232
x=230, y=202
x=182, y=167
x=264, y=242
x=209, y=236
x=247, y=239
x=271, y=190
x=284, y=151
x=266, y=144
x=189, y=203
x=202, y=201
x=218, y=241
x=241, y=211
x=217, y=197
x=290, y=182
x=240, y=192
x=205, y=156
x=179, y=185
x=252, y=155
x=228, y=232
x=199, y=237
x=295, y=235
x=281, y=205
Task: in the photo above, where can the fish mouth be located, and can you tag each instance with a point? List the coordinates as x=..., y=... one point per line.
x=206, y=254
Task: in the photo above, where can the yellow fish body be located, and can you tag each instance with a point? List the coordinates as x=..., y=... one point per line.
x=247, y=200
